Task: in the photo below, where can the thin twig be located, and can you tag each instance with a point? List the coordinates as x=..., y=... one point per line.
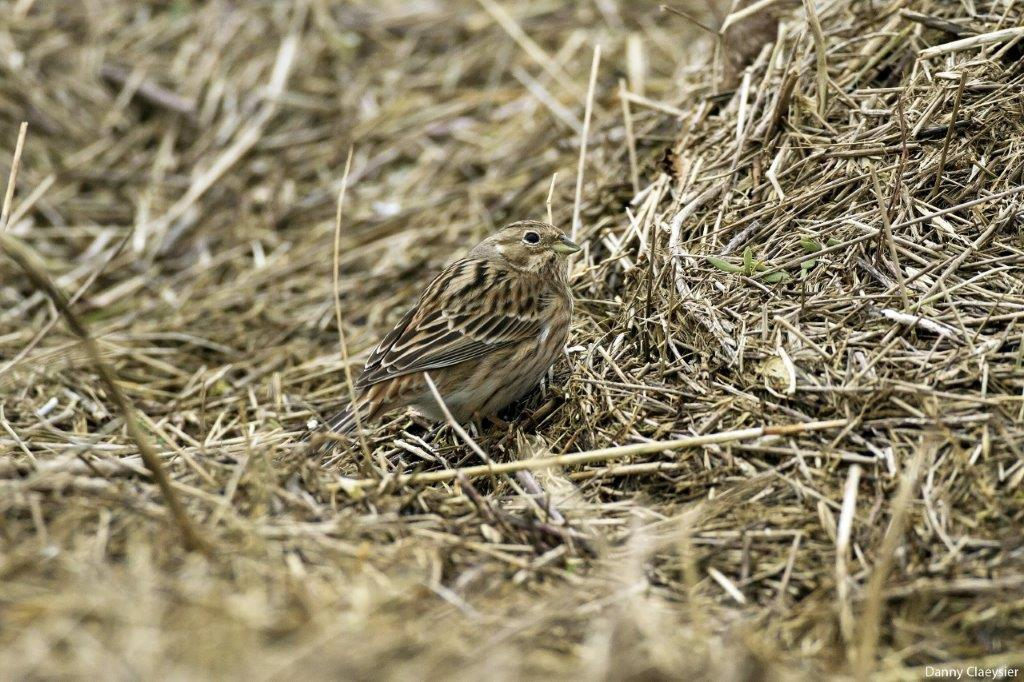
x=870, y=619
x=627, y=119
x=821, y=60
x=599, y=455
x=690, y=18
x=883, y=209
x=583, y=141
x=364, y=464
x=843, y=532
x=972, y=42
x=949, y=135
x=551, y=194
x=12, y=179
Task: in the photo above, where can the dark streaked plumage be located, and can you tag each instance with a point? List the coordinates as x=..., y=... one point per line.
x=486, y=330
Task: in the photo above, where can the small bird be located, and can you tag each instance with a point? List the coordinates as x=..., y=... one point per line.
x=486, y=330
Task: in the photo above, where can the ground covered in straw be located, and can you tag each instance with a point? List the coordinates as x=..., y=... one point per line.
x=827, y=228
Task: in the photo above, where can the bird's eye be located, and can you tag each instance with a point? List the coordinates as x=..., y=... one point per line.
x=531, y=238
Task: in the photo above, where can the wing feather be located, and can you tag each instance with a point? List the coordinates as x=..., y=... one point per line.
x=473, y=308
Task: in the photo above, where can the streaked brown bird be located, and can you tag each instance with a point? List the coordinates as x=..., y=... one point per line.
x=485, y=330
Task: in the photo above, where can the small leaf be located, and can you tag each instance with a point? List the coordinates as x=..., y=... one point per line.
x=724, y=266
x=832, y=241
x=776, y=277
x=748, y=261
x=809, y=245
x=808, y=264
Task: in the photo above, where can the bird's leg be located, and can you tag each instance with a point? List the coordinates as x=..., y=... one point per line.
x=477, y=424
x=479, y=420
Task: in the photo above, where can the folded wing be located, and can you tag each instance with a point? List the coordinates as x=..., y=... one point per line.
x=473, y=308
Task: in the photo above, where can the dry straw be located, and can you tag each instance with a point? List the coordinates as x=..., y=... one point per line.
x=827, y=234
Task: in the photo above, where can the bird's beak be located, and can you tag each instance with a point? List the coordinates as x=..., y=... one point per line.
x=565, y=245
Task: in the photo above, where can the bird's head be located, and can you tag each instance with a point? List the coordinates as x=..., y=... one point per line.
x=528, y=245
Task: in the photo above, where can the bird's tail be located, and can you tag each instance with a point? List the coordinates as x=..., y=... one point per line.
x=345, y=421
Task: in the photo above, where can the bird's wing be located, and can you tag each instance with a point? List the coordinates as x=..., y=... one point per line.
x=471, y=309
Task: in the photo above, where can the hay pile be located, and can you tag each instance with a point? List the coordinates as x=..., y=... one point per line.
x=830, y=233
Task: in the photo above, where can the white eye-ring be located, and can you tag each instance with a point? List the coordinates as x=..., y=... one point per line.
x=531, y=237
